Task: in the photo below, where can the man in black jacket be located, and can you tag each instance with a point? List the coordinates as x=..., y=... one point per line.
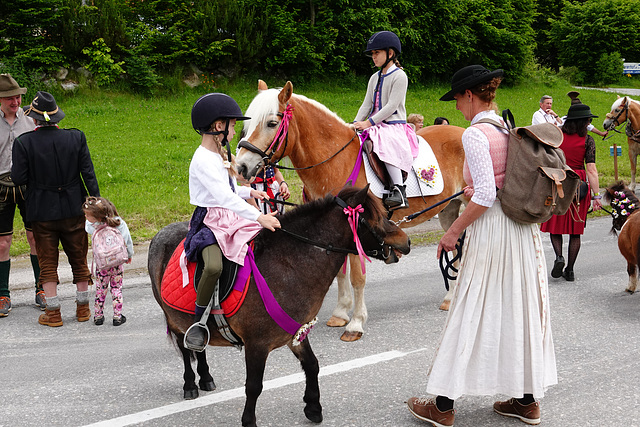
x=56, y=166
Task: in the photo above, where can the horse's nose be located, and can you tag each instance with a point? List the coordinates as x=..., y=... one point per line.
x=243, y=170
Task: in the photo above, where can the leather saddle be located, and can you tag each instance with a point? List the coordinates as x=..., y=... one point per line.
x=378, y=166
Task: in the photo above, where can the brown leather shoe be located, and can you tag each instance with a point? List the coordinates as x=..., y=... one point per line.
x=83, y=312
x=529, y=414
x=426, y=410
x=51, y=318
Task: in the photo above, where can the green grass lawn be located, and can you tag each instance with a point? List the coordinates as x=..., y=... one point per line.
x=141, y=147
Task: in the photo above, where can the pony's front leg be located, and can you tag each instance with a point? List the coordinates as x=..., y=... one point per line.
x=633, y=278
x=206, y=382
x=255, y=359
x=355, y=328
x=340, y=315
x=309, y=363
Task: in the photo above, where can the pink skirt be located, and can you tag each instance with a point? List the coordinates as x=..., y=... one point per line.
x=232, y=232
x=396, y=144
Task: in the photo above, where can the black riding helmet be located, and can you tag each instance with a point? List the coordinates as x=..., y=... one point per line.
x=384, y=40
x=211, y=107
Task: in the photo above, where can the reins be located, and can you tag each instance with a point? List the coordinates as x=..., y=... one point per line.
x=414, y=215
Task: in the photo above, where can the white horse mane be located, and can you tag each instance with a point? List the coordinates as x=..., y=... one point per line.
x=266, y=104
x=618, y=101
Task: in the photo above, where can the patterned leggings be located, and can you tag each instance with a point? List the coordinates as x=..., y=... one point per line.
x=111, y=277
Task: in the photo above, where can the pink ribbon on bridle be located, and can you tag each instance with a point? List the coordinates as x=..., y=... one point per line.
x=353, y=215
x=283, y=129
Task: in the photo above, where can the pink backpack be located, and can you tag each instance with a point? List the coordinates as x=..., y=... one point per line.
x=109, y=248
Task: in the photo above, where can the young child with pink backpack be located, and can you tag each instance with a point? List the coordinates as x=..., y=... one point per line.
x=112, y=247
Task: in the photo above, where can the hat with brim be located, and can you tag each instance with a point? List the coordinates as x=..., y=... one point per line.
x=579, y=111
x=44, y=108
x=469, y=77
x=10, y=87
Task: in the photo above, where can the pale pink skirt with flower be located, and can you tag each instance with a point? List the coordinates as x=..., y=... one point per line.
x=232, y=232
x=396, y=144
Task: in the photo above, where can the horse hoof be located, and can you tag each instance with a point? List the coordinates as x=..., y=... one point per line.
x=629, y=291
x=445, y=305
x=313, y=415
x=207, y=385
x=191, y=394
x=351, y=336
x=336, y=322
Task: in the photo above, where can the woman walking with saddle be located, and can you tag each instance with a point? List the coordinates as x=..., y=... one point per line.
x=580, y=151
x=497, y=337
x=384, y=117
x=222, y=222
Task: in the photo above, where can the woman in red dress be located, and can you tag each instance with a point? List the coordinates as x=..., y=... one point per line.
x=580, y=151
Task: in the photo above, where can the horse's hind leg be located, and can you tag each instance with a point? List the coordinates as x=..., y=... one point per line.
x=255, y=359
x=355, y=328
x=633, y=277
x=309, y=362
x=189, y=387
x=206, y=382
x=340, y=315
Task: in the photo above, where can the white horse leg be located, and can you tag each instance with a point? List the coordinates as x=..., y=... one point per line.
x=355, y=328
x=634, y=150
x=340, y=315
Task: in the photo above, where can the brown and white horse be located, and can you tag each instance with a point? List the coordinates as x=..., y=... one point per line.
x=627, y=110
x=323, y=149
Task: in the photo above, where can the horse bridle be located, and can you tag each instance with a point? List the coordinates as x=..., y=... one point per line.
x=378, y=252
x=283, y=134
x=629, y=131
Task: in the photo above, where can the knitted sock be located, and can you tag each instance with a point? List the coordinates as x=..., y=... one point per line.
x=443, y=403
x=53, y=303
x=574, y=248
x=5, y=266
x=35, y=265
x=556, y=243
x=82, y=297
x=526, y=400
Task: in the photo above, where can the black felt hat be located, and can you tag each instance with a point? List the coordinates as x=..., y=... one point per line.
x=579, y=111
x=469, y=77
x=44, y=108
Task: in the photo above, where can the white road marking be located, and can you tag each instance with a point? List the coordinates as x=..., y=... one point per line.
x=187, y=405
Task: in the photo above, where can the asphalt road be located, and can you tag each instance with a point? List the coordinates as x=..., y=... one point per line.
x=81, y=374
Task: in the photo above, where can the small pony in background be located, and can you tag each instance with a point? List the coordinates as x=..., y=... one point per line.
x=626, y=224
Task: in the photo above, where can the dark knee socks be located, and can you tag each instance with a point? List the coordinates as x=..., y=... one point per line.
x=35, y=265
x=574, y=248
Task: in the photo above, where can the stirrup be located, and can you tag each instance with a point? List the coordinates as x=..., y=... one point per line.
x=194, y=347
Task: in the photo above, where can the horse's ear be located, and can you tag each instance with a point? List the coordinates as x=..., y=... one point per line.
x=618, y=96
x=625, y=100
x=361, y=196
x=262, y=85
x=285, y=93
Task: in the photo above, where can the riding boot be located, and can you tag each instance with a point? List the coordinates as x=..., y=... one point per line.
x=398, y=198
x=196, y=337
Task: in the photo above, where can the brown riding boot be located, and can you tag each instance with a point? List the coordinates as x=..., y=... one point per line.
x=51, y=318
x=83, y=312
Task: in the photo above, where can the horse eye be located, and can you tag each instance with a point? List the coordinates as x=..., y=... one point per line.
x=272, y=123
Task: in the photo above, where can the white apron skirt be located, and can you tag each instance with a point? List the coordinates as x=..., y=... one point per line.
x=497, y=337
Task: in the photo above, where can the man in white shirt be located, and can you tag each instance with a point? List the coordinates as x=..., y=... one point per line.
x=545, y=114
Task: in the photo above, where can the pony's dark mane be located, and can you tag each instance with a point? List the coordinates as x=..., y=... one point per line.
x=373, y=209
x=616, y=195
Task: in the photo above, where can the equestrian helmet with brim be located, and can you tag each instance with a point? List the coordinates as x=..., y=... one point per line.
x=211, y=107
x=44, y=108
x=383, y=40
x=579, y=111
x=469, y=77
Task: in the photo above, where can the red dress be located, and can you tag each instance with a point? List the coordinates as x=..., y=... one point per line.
x=578, y=151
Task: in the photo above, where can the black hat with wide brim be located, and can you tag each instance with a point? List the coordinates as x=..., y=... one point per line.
x=44, y=108
x=579, y=111
x=469, y=77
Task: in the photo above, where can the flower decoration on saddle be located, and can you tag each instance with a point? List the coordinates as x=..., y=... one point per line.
x=427, y=175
